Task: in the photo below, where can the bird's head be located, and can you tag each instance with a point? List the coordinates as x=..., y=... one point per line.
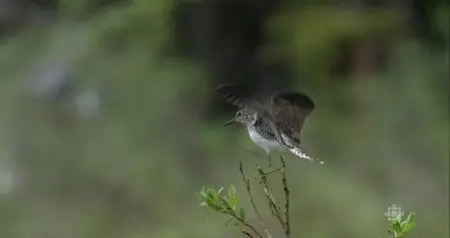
x=244, y=116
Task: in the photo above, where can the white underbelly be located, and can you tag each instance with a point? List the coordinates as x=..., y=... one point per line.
x=267, y=145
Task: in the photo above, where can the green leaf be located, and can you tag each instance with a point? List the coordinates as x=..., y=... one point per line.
x=409, y=219
x=229, y=220
x=407, y=224
x=232, y=196
x=396, y=226
x=210, y=199
x=203, y=193
x=408, y=227
x=213, y=197
x=242, y=214
x=215, y=207
x=226, y=204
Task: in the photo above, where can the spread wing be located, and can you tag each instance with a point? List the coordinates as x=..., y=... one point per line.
x=240, y=96
x=289, y=110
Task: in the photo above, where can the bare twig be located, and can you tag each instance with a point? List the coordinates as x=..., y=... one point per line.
x=282, y=216
x=284, y=219
x=272, y=203
x=246, y=233
x=246, y=224
x=287, y=223
x=252, y=200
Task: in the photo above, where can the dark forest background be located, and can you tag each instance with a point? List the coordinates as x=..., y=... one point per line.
x=110, y=124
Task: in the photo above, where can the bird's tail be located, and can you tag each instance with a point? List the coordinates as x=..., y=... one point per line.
x=302, y=154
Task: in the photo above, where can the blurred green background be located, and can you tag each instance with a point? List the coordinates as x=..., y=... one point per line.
x=110, y=124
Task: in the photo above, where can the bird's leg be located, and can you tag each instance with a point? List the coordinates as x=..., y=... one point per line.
x=262, y=174
x=269, y=165
x=270, y=170
x=269, y=161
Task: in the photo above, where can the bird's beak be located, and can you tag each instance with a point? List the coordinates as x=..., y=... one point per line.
x=229, y=123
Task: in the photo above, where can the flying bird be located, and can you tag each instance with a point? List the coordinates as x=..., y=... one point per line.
x=273, y=127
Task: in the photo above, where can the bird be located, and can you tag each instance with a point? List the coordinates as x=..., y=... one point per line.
x=273, y=127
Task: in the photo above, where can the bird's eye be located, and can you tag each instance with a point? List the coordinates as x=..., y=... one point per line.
x=239, y=114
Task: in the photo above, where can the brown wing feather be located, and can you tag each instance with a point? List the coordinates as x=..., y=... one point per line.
x=289, y=110
x=240, y=96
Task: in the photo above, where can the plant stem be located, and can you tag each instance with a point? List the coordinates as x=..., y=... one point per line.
x=287, y=224
x=252, y=200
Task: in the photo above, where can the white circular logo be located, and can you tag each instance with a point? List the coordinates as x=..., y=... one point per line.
x=392, y=212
